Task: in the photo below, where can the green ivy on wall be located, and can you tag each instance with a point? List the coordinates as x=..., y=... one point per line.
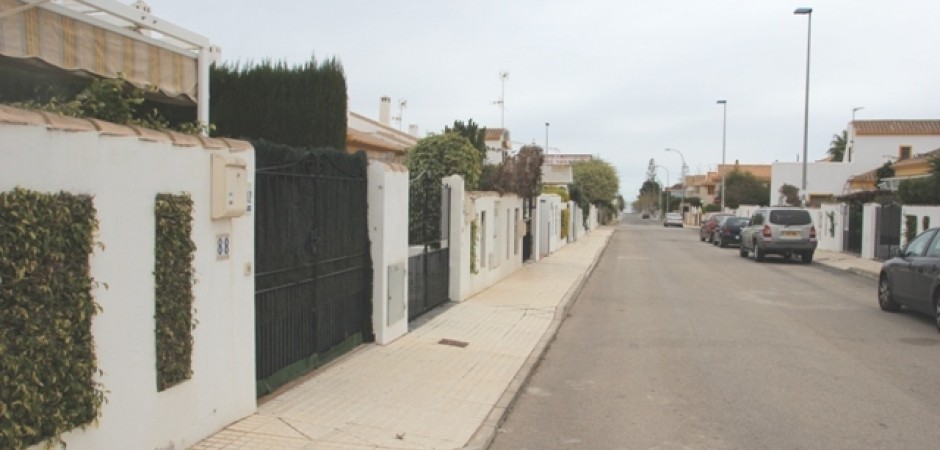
x=911, y=232
x=565, y=223
x=174, y=277
x=474, y=236
x=47, y=351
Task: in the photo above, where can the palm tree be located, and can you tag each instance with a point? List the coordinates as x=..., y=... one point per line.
x=837, y=146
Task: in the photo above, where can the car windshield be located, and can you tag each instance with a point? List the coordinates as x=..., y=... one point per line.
x=790, y=217
x=736, y=221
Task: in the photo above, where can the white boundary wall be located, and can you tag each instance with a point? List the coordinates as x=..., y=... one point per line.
x=124, y=173
x=921, y=212
x=830, y=217
x=388, y=231
x=499, y=238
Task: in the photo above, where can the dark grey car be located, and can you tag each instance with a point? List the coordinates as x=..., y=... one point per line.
x=779, y=230
x=912, y=278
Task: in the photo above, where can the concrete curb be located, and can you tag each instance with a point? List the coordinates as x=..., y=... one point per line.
x=485, y=435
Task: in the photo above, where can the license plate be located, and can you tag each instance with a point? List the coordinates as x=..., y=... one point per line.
x=737, y=238
x=791, y=234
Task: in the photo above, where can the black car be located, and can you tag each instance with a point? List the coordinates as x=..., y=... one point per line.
x=912, y=277
x=728, y=231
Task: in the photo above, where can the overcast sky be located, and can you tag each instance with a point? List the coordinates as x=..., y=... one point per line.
x=619, y=79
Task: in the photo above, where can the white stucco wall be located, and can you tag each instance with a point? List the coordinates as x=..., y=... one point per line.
x=830, y=217
x=124, y=174
x=388, y=232
x=872, y=151
x=822, y=178
x=931, y=212
x=499, y=245
x=869, y=221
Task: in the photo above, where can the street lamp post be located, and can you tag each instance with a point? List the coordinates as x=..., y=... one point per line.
x=724, y=133
x=808, y=12
x=546, y=136
x=666, y=202
x=682, y=178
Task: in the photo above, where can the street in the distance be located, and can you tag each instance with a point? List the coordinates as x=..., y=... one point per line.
x=677, y=344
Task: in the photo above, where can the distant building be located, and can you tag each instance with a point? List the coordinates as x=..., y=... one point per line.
x=498, y=145
x=378, y=138
x=870, y=144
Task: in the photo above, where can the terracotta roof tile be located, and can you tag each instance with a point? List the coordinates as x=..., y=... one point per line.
x=494, y=134
x=917, y=159
x=897, y=127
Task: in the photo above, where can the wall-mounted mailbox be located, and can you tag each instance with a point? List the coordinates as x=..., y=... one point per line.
x=229, y=186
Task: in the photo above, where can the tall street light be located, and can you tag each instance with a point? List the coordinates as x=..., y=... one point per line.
x=724, y=133
x=808, y=12
x=546, y=137
x=682, y=178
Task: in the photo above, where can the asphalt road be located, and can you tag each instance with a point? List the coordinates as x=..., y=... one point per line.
x=676, y=344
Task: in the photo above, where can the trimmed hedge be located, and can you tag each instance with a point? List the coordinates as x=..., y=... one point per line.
x=47, y=351
x=174, y=277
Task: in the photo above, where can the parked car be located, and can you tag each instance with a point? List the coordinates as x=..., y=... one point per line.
x=709, y=223
x=912, y=277
x=729, y=231
x=779, y=230
x=646, y=215
x=673, y=220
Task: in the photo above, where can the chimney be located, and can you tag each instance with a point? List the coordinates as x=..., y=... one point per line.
x=413, y=130
x=385, y=111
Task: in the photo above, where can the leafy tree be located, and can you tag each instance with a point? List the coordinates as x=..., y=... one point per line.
x=472, y=131
x=922, y=191
x=837, y=146
x=790, y=194
x=885, y=171
x=431, y=159
x=303, y=106
x=743, y=188
x=443, y=155
x=597, y=180
x=650, y=186
x=646, y=201
x=520, y=174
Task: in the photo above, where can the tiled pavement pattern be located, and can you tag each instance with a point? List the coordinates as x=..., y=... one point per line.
x=417, y=393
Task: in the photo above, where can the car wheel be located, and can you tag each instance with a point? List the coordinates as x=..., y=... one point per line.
x=742, y=252
x=806, y=257
x=936, y=308
x=885, y=301
x=701, y=237
x=721, y=242
x=758, y=254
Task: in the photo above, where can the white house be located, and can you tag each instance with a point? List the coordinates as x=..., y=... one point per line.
x=870, y=144
x=498, y=145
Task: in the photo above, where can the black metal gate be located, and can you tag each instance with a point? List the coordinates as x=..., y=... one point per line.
x=313, y=281
x=888, y=230
x=428, y=239
x=853, y=228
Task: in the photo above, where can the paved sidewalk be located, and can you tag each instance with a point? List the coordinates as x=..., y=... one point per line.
x=845, y=261
x=417, y=393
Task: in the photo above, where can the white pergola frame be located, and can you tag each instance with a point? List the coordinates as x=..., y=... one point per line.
x=123, y=19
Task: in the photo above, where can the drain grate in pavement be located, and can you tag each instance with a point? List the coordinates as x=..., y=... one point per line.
x=453, y=343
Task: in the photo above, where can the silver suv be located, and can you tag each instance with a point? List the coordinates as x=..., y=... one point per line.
x=779, y=230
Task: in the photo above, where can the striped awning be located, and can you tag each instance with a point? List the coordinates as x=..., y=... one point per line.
x=93, y=42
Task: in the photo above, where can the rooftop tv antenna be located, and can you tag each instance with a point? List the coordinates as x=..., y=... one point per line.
x=503, y=76
x=402, y=104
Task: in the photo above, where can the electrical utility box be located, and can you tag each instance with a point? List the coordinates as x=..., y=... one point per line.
x=229, y=186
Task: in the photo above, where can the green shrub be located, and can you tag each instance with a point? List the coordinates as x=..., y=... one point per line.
x=919, y=191
x=47, y=351
x=565, y=223
x=174, y=278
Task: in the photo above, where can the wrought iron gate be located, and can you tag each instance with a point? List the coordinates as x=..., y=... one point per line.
x=428, y=240
x=313, y=281
x=888, y=230
x=853, y=229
